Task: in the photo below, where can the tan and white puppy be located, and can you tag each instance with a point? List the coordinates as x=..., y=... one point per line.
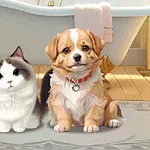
x=77, y=96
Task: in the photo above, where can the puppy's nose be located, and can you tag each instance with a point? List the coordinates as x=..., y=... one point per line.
x=77, y=57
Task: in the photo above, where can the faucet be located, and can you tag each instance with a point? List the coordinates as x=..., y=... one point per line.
x=51, y=3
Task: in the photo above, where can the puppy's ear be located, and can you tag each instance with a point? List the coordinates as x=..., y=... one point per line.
x=52, y=48
x=98, y=43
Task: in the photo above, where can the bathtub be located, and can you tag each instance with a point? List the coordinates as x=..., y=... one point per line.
x=33, y=27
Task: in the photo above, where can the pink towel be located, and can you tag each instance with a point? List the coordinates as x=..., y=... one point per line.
x=95, y=17
x=89, y=16
x=107, y=21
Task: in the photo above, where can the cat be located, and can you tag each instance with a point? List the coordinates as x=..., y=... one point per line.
x=19, y=106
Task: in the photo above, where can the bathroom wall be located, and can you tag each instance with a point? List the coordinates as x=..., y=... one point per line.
x=137, y=52
x=141, y=38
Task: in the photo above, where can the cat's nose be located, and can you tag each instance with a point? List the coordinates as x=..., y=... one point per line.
x=9, y=81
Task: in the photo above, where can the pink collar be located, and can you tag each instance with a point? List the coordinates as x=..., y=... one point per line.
x=80, y=80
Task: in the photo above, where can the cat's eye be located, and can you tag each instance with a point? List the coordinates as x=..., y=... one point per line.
x=16, y=72
x=66, y=50
x=1, y=76
x=85, y=48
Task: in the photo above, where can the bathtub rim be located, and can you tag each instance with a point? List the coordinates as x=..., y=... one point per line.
x=69, y=10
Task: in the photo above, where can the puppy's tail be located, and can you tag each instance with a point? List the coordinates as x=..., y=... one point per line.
x=45, y=88
x=40, y=108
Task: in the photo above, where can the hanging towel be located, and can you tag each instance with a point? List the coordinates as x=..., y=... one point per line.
x=89, y=16
x=107, y=21
x=95, y=17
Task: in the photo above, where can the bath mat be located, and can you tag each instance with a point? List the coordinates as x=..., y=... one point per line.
x=134, y=133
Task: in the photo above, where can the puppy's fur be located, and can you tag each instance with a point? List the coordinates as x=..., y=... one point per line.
x=75, y=53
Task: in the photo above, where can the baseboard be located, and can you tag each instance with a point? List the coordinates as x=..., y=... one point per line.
x=143, y=70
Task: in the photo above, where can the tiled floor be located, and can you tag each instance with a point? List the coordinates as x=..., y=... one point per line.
x=126, y=83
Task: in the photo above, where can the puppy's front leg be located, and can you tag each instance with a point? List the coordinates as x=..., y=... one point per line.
x=92, y=119
x=64, y=120
x=59, y=111
x=96, y=110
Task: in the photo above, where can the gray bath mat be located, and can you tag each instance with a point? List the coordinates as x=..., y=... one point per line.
x=134, y=133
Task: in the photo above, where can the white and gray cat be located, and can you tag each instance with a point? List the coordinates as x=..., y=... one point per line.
x=19, y=107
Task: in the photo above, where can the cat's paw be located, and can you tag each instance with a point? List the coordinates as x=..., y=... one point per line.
x=4, y=130
x=113, y=123
x=18, y=129
x=91, y=128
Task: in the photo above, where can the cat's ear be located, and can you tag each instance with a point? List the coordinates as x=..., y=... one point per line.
x=17, y=53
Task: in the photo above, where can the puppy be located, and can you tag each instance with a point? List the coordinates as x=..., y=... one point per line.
x=77, y=96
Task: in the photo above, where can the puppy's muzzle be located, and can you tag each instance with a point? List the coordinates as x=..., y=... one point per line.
x=77, y=57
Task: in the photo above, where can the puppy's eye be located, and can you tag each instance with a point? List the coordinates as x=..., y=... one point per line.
x=85, y=48
x=16, y=72
x=66, y=50
x=1, y=76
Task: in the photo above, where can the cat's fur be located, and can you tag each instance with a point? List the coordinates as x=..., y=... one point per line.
x=18, y=94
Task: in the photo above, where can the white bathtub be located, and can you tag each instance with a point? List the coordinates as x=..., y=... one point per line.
x=32, y=27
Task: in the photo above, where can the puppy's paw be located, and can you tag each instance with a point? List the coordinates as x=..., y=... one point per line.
x=91, y=128
x=113, y=123
x=53, y=122
x=61, y=128
x=63, y=125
